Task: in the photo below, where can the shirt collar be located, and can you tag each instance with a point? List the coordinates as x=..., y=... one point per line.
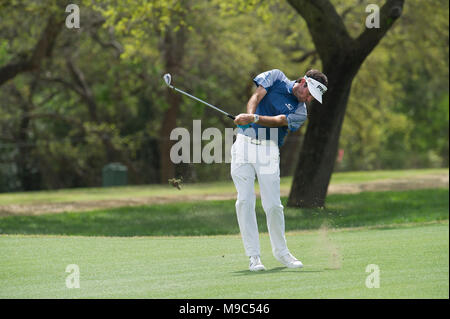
x=290, y=86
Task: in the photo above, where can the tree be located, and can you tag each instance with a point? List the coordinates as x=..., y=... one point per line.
x=172, y=48
x=341, y=57
x=29, y=61
x=398, y=121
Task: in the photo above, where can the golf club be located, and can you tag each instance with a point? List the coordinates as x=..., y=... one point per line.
x=168, y=79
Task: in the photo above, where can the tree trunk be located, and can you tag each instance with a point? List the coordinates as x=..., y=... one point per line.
x=167, y=168
x=24, y=169
x=320, y=146
x=289, y=153
x=29, y=180
x=173, y=49
x=341, y=56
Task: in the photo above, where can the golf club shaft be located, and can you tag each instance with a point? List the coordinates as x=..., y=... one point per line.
x=197, y=99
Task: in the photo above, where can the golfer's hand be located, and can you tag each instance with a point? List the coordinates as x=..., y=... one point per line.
x=244, y=118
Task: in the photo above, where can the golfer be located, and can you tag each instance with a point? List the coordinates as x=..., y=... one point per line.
x=278, y=105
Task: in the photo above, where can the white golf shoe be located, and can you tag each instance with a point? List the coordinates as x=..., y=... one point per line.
x=255, y=264
x=290, y=261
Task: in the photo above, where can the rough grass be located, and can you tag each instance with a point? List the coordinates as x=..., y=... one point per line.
x=95, y=194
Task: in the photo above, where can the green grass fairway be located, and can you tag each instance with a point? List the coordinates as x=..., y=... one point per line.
x=413, y=263
x=145, y=251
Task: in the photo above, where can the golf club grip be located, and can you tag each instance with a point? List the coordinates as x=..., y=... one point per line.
x=231, y=117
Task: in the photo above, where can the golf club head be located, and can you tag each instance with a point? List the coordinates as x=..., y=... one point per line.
x=167, y=78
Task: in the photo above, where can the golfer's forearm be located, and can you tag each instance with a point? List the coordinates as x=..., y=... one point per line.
x=254, y=100
x=252, y=104
x=273, y=121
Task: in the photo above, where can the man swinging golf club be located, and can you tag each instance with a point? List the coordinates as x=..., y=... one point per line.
x=278, y=105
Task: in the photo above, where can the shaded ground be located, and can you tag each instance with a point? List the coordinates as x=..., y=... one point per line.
x=419, y=182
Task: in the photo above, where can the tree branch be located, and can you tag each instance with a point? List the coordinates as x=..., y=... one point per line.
x=113, y=43
x=57, y=116
x=327, y=29
x=67, y=84
x=369, y=39
x=42, y=49
x=7, y=138
x=87, y=94
x=305, y=56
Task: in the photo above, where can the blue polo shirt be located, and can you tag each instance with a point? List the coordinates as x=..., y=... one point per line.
x=278, y=100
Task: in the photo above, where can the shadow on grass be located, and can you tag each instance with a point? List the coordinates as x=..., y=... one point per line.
x=271, y=271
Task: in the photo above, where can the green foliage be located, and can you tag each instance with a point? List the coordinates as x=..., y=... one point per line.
x=397, y=114
x=398, y=111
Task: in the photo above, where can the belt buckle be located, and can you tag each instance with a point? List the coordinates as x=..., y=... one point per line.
x=255, y=141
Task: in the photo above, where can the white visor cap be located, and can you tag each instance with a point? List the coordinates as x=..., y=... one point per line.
x=316, y=88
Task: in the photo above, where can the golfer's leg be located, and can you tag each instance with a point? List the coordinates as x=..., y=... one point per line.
x=269, y=184
x=244, y=179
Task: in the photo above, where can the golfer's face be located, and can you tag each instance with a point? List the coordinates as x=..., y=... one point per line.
x=301, y=91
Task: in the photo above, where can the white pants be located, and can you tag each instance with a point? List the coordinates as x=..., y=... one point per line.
x=247, y=160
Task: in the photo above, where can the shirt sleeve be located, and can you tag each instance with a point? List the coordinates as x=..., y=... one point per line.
x=295, y=120
x=268, y=78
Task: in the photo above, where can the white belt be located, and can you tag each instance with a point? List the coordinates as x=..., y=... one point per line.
x=257, y=141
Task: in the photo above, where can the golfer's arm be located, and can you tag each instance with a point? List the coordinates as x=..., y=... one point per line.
x=254, y=100
x=273, y=121
x=268, y=121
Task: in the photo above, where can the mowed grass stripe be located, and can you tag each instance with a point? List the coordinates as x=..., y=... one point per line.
x=218, y=217
x=413, y=263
